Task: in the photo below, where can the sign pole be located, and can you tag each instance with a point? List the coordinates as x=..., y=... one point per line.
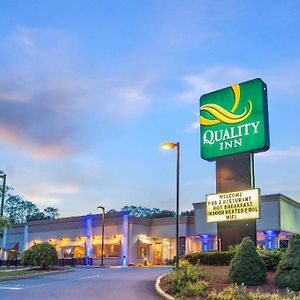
x=235, y=173
x=234, y=124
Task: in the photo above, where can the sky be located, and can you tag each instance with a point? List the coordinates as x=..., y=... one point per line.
x=89, y=90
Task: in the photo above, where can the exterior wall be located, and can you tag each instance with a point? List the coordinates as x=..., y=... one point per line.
x=269, y=209
x=201, y=226
x=166, y=227
x=289, y=215
x=70, y=229
x=136, y=227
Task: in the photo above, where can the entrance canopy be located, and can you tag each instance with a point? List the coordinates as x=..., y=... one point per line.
x=78, y=243
x=143, y=239
x=11, y=247
x=107, y=241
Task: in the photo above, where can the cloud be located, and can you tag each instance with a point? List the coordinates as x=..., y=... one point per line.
x=44, y=96
x=50, y=194
x=193, y=126
x=279, y=154
x=213, y=78
x=281, y=77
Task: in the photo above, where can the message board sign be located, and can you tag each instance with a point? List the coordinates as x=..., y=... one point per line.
x=234, y=120
x=233, y=206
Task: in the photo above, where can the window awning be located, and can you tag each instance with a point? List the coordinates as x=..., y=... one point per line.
x=11, y=247
x=78, y=243
x=113, y=241
x=143, y=239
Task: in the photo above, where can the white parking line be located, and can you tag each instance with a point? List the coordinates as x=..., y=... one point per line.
x=46, y=284
x=11, y=288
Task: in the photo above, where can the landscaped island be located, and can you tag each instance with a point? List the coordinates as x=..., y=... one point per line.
x=239, y=274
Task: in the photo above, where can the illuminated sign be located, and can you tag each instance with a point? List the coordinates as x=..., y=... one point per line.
x=233, y=206
x=234, y=120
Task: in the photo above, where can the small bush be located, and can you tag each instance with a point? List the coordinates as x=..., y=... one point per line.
x=210, y=258
x=271, y=258
x=247, y=267
x=196, y=289
x=236, y=292
x=187, y=279
x=40, y=255
x=179, y=278
x=288, y=271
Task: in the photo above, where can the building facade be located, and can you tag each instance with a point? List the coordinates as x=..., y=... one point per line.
x=130, y=240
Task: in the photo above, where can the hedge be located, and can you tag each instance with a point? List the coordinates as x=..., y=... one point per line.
x=210, y=258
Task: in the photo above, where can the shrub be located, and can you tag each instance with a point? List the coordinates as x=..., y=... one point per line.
x=40, y=255
x=271, y=258
x=185, y=279
x=288, y=271
x=196, y=289
x=236, y=292
x=210, y=258
x=247, y=267
x=179, y=278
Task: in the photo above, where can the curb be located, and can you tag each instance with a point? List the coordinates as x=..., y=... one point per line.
x=33, y=275
x=160, y=291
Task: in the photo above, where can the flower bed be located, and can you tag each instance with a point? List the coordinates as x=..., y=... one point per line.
x=221, y=289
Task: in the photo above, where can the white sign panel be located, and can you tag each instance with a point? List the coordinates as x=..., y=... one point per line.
x=233, y=206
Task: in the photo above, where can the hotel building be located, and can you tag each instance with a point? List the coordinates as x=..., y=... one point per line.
x=130, y=240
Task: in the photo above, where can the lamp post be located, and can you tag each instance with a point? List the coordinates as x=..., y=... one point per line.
x=3, y=176
x=169, y=145
x=102, y=241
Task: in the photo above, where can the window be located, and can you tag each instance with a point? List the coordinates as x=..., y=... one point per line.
x=73, y=252
x=113, y=250
x=142, y=250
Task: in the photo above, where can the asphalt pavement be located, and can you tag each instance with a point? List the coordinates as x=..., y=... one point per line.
x=87, y=284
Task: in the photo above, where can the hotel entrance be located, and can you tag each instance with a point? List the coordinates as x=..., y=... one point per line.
x=158, y=253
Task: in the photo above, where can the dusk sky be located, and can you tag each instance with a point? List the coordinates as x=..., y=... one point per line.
x=89, y=90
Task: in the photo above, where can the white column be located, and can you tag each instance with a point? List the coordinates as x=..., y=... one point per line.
x=125, y=257
x=25, y=242
x=4, y=243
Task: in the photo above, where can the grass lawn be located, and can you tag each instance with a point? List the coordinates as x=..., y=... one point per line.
x=16, y=273
x=9, y=273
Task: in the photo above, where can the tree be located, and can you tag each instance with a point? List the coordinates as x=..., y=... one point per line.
x=40, y=255
x=247, y=266
x=4, y=223
x=143, y=212
x=163, y=213
x=51, y=213
x=288, y=271
x=19, y=210
x=187, y=213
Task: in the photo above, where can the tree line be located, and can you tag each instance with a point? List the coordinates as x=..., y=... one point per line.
x=144, y=212
x=18, y=210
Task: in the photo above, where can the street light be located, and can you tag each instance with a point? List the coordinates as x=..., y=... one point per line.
x=102, y=241
x=3, y=176
x=168, y=146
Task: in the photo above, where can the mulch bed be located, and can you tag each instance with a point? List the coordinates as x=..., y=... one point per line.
x=219, y=283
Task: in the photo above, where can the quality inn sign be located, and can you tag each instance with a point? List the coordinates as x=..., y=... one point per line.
x=234, y=120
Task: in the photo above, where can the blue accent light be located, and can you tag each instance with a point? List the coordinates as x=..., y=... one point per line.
x=271, y=232
x=205, y=247
x=269, y=244
x=124, y=264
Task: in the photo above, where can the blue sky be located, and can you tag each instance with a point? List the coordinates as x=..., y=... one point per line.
x=89, y=89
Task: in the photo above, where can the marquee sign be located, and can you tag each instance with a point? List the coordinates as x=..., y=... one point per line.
x=233, y=206
x=234, y=120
